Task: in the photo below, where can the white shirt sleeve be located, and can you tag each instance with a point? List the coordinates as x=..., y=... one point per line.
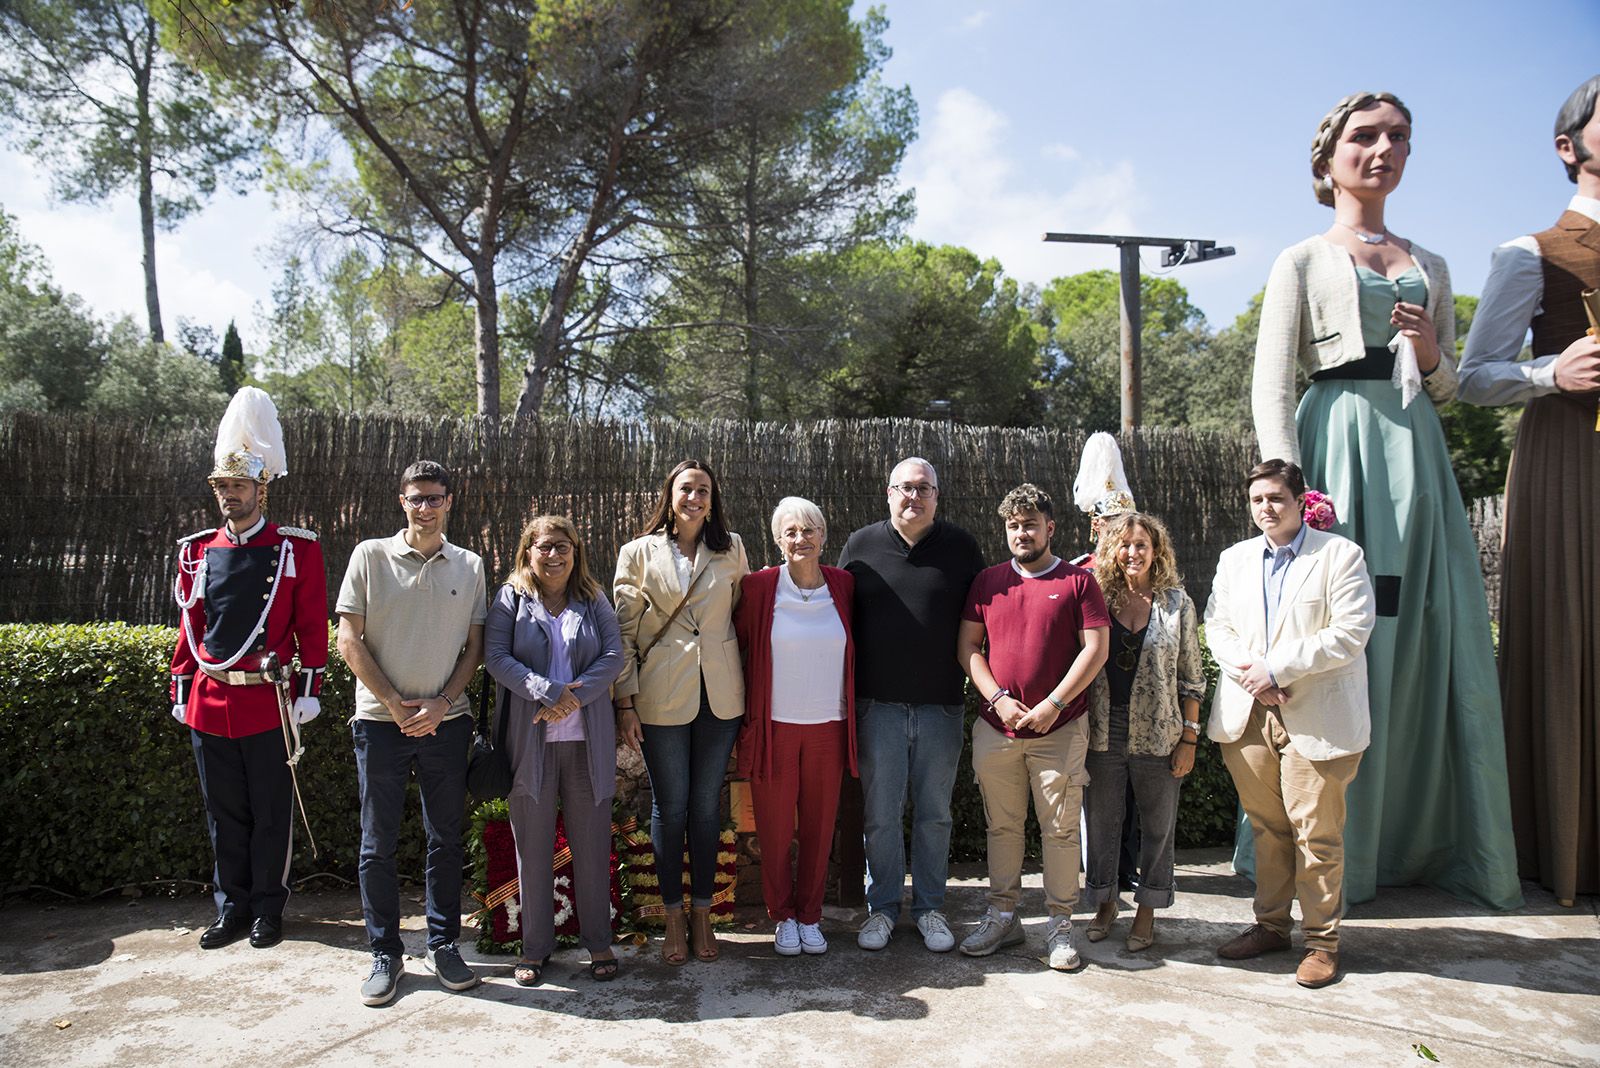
x=1490, y=372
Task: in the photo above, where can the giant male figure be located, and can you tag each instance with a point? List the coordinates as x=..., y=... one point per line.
x=1550, y=564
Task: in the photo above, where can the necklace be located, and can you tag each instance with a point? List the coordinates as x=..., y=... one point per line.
x=1366, y=238
x=806, y=594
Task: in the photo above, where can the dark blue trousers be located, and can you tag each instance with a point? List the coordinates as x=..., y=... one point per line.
x=250, y=815
x=384, y=761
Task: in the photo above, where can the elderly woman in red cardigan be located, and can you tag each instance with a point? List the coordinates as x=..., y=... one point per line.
x=793, y=624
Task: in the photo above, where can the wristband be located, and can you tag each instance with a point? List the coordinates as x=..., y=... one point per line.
x=1001, y=692
x=1061, y=706
x=1187, y=741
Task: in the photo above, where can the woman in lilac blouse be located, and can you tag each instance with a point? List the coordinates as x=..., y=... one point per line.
x=552, y=643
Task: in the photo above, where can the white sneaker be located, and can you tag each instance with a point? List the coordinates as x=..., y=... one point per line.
x=875, y=932
x=811, y=939
x=1061, y=944
x=936, y=933
x=786, y=939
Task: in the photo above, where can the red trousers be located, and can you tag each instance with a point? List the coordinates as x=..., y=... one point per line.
x=807, y=765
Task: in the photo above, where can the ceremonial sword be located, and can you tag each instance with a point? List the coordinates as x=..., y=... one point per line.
x=272, y=669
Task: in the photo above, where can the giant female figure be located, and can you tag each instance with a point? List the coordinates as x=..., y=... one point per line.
x=1369, y=317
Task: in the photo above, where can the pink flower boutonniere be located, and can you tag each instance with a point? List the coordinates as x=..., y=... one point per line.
x=1318, y=511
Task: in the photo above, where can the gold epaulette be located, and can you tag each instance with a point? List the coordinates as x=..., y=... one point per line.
x=298, y=532
x=187, y=538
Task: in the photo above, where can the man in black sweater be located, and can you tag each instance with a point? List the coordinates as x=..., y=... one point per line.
x=912, y=573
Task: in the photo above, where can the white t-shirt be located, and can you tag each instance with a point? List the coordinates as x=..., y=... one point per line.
x=807, y=655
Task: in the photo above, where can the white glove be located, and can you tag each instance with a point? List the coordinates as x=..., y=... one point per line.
x=306, y=709
x=177, y=713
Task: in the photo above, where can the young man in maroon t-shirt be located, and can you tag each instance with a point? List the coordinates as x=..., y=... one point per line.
x=1033, y=636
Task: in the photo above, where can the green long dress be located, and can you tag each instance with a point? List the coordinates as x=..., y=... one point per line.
x=1430, y=802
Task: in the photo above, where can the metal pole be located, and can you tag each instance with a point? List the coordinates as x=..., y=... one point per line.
x=1132, y=399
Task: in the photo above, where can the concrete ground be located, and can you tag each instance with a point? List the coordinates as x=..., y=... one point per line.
x=123, y=982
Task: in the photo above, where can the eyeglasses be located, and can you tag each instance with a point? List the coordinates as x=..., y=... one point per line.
x=554, y=548
x=797, y=534
x=915, y=489
x=417, y=500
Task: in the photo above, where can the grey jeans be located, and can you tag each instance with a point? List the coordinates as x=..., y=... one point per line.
x=588, y=826
x=1155, y=792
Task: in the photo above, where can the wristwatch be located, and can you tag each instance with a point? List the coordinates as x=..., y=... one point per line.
x=1191, y=725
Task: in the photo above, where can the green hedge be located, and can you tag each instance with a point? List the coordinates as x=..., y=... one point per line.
x=99, y=782
x=100, y=788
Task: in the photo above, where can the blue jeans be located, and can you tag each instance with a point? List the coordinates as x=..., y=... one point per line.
x=688, y=764
x=384, y=759
x=905, y=748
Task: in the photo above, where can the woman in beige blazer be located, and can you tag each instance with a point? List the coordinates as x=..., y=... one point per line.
x=1369, y=317
x=681, y=691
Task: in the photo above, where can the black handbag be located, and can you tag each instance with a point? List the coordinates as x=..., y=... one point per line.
x=489, y=774
x=488, y=764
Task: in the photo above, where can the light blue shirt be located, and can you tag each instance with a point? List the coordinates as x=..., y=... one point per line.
x=561, y=631
x=1275, y=561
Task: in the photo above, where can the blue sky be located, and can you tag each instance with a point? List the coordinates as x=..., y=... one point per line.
x=1183, y=119
x=1195, y=120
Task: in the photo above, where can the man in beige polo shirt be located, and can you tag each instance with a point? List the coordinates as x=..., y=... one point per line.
x=411, y=612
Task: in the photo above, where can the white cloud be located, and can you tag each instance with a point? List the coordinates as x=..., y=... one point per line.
x=976, y=19
x=205, y=269
x=972, y=192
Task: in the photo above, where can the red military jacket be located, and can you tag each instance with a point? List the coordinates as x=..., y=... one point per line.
x=237, y=599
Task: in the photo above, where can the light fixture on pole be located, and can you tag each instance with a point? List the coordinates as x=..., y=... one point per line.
x=1176, y=251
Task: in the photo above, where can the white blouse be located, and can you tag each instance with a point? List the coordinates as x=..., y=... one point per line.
x=807, y=655
x=683, y=565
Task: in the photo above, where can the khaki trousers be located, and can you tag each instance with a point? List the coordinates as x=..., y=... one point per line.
x=1296, y=809
x=1052, y=768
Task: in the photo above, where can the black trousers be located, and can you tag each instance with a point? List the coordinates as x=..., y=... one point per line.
x=250, y=813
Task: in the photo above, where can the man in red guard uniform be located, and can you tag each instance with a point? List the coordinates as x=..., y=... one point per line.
x=244, y=590
x=1101, y=490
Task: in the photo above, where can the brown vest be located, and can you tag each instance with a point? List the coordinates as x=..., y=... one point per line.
x=1570, y=251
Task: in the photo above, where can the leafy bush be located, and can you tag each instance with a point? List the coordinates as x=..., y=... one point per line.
x=99, y=782
x=100, y=786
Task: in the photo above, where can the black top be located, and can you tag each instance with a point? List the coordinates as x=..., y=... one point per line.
x=908, y=604
x=1123, y=663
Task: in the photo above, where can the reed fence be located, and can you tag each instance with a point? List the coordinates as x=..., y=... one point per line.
x=91, y=534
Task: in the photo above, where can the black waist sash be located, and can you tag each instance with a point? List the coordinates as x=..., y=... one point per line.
x=1376, y=365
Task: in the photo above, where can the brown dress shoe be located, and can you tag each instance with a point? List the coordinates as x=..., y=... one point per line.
x=1317, y=968
x=1254, y=942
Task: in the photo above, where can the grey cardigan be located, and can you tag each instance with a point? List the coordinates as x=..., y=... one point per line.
x=517, y=654
x=1311, y=316
x=1169, y=670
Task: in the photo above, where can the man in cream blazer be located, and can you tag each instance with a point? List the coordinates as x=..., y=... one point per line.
x=1288, y=622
